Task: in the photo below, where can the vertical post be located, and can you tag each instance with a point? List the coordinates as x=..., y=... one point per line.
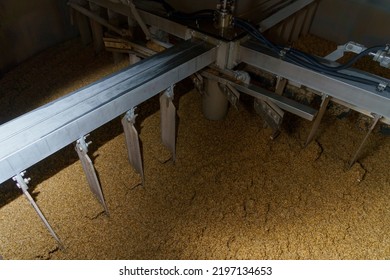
x=214, y=102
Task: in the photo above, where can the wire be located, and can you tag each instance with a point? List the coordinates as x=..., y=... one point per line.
x=165, y=5
x=309, y=61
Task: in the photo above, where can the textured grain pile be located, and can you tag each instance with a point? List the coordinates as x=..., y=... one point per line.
x=232, y=194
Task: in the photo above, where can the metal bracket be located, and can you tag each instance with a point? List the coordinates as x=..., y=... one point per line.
x=348, y=47
x=168, y=121
x=382, y=86
x=132, y=142
x=22, y=183
x=89, y=170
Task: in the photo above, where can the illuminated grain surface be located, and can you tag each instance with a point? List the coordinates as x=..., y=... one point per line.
x=232, y=194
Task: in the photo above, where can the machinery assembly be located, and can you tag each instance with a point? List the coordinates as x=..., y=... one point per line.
x=219, y=45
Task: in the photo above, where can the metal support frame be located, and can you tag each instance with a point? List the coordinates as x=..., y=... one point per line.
x=34, y=136
x=133, y=142
x=353, y=94
x=22, y=183
x=282, y=102
x=168, y=121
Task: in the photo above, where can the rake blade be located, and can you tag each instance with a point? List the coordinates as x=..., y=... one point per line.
x=90, y=173
x=317, y=121
x=133, y=144
x=168, y=124
x=271, y=114
x=373, y=125
x=43, y=218
x=22, y=184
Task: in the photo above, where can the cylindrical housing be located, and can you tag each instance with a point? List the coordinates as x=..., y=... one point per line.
x=214, y=102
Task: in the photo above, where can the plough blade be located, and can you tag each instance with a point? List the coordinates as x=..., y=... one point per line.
x=132, y=143
x=89, y=170
x=168, y=121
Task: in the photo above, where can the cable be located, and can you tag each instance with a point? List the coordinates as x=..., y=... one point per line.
x=309, y=61
x=165, y=5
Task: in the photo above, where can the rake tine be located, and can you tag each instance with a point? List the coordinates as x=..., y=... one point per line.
x=132, y=142
x=168, y=121
x=317, y=121
x=280, y=85
x=374, y=123
x=89, y=170
x=22, y=183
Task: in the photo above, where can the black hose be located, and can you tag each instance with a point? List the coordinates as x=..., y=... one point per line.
x=198, y=15
x=165, y=5
x=306, y=60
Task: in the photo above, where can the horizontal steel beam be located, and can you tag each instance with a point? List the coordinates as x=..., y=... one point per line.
x=284, y=103
x=358, y=95
x=34, y=136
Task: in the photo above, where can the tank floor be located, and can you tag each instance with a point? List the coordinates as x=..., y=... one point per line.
x=232, y=194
